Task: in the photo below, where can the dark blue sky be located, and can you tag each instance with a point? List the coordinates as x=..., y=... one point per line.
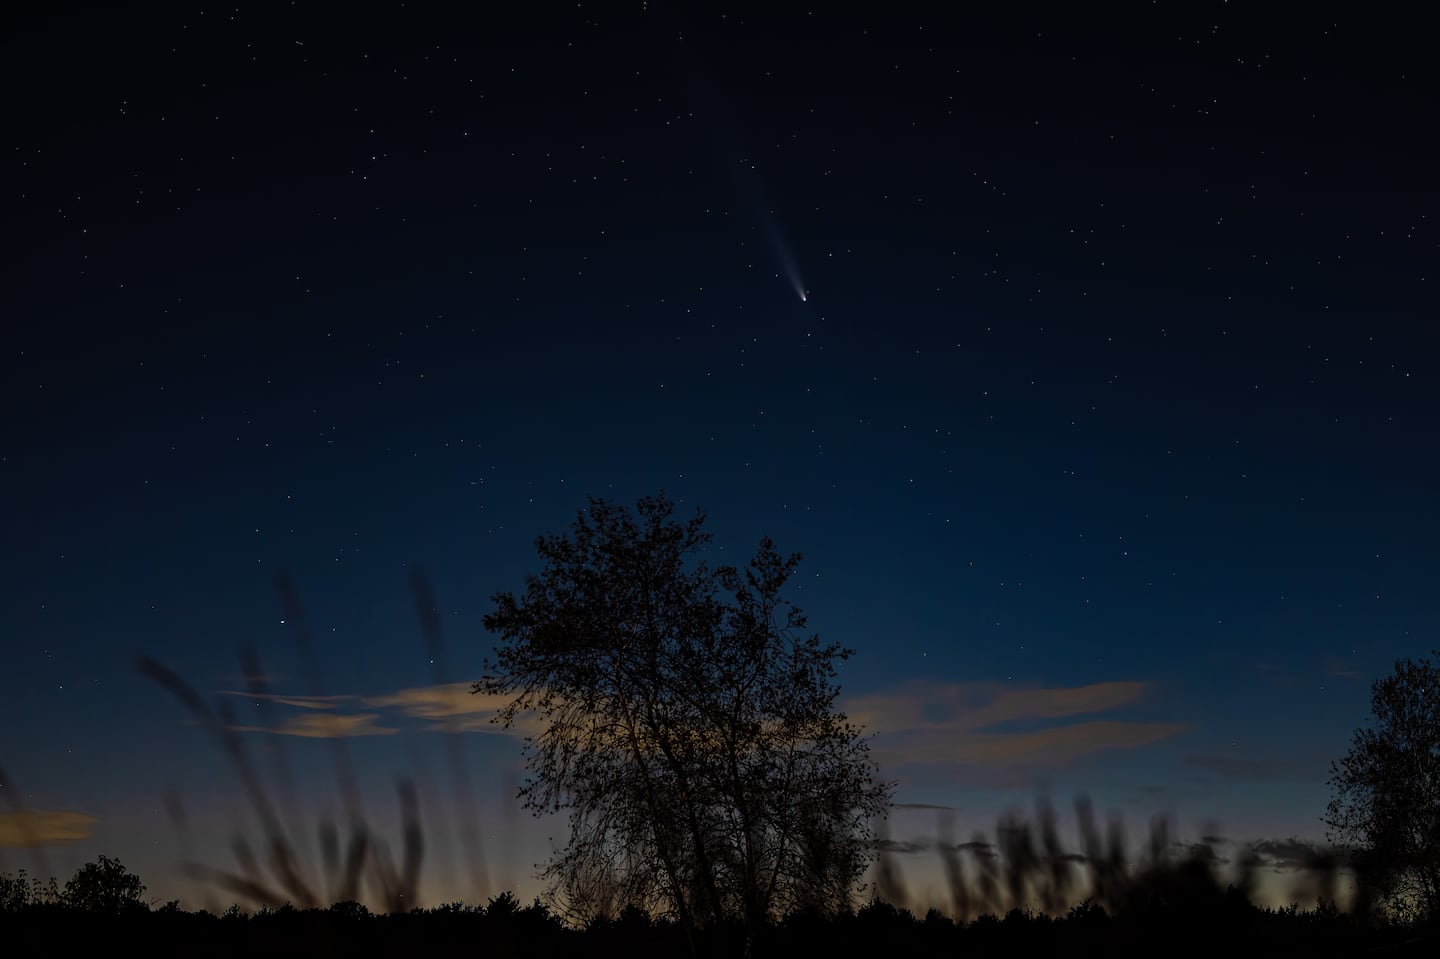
x=1108, y=409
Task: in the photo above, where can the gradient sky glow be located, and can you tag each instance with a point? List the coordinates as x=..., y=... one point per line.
x=1106, y=428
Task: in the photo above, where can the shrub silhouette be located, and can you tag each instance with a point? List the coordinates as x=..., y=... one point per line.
x=22, y=891
x=104, y=886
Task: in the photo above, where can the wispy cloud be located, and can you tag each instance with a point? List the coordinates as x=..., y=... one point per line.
x=955, y=723
x=326, y=726
x=450, y=707
x=1295, y=853
x=981, y=705
x=454, y=707
x=1040, y=747
x=902, y=846
x=43, y=827
x=440, y=702
x=303, y=702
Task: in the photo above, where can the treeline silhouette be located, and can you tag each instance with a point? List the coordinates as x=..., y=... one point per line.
x=1166, y=904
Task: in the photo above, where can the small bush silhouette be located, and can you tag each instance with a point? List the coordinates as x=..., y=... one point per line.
x=104, y=886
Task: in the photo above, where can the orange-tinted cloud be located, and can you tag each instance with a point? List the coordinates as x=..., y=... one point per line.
x=1055, y=745
x=326, y=726
x=455, y=708
x=953, y=723
x=43, y=827
x=980, y=705
x=450, y=706
x=437, y=702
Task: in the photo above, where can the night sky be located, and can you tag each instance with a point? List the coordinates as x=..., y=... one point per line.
x=1086, y=357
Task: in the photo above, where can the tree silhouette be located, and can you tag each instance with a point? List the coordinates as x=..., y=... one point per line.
x=688, y=725
x=1387, y=791
x=20, y=892
x=104, y=886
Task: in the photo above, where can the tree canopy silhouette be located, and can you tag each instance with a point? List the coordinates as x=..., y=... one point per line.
x=104, y=886
x=688, y=725
x=1387, y=791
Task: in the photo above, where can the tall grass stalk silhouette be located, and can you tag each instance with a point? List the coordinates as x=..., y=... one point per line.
x=278, y=873
x=1026, y=868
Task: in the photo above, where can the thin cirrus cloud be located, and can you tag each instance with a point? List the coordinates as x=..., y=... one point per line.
x=934, y=723
x=450, y=707
x=326, y=726
x=43, y=827
x=303, y=702
x=454, y=708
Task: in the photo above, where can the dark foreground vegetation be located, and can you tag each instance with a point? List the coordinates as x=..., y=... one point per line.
x=504, y=929
x=1177, y=910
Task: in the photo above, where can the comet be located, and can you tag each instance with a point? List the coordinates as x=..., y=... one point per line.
x=742, y=170
x=774, y=234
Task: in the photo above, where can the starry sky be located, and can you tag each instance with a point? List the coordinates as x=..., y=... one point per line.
x=1085, y=356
